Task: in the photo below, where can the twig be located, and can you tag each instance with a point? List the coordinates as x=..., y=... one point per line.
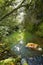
x=19, y=6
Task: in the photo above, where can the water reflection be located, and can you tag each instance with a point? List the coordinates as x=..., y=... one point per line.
x=21, y=49
x=21, y=42
x=17, y=48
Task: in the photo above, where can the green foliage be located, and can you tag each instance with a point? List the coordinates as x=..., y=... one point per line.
x=9, y=61
x=21, y=23
x=40, y=30
x=28, y=36
x=3, y=31
x=1, y=2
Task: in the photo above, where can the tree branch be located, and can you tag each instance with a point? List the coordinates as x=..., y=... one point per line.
x=19, y=6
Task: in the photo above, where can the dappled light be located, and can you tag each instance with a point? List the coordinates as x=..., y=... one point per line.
x=21, y=32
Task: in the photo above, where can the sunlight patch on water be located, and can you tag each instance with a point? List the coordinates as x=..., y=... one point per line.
x=18, y=49
x=21, y=41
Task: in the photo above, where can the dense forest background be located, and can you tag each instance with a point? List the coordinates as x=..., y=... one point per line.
x=20, y=20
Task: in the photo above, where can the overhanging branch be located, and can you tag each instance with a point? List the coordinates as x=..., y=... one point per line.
x=19, y=6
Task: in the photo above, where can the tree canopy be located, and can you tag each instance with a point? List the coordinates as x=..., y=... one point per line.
x=20, y=20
